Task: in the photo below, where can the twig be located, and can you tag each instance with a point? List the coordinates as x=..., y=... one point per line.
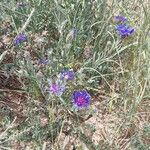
x=13, y=90
x=28, y=21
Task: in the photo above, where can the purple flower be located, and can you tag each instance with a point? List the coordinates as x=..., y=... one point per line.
x=67, y=74
x=20, y=38
x=43, y=61
x=125, y=30
x=120, y=19
x=81, y=99
x=57, y=89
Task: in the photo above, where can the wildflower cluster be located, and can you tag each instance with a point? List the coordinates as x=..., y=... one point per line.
x=59, y=87
x=123, y=28
x=81, y=99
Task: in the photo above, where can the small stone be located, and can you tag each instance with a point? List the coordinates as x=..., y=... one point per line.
x=39, y=74
x=44, y=33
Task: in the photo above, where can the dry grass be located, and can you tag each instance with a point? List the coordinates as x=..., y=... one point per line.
x=115, y=72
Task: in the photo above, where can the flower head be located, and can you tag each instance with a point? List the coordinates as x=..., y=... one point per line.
x=125, y=30
x=81, y=99
x=20, y=38
x=44, y=61
x=120, y=18
x=67, y=74
x=57, y=89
